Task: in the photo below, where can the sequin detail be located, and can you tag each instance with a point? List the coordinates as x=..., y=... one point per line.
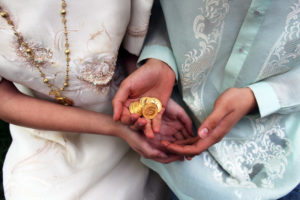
x=98, y=69
x=42, y=55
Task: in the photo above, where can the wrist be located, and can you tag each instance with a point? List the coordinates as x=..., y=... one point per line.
x=251, y=99
x=162, y=67
x=119, y=130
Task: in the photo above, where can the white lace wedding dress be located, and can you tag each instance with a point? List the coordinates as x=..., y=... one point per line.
x=58, y=165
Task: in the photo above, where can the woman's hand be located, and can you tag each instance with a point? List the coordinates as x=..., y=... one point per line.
x=150, y=149
x=229, y=108
x=153, y=79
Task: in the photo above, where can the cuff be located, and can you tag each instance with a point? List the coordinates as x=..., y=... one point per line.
x=266, y=98
x=160, y=53
x=133, y=44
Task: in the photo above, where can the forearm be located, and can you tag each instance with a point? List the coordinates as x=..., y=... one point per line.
x=23, y=110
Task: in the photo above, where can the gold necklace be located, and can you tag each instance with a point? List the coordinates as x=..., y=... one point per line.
x=56, y=93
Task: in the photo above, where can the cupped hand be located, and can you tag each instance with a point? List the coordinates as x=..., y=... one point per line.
x=148, y=149
x=228, y=109
x=154, y=79
x=176, y=126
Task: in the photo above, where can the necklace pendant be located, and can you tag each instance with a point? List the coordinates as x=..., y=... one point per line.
x=60, y=99
x=64, y=101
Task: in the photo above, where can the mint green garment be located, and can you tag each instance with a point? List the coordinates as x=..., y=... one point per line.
x=213, y=45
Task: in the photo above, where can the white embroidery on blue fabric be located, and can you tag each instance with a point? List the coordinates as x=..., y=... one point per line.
x=287, y=47
x=208, y=28
x=253, y=162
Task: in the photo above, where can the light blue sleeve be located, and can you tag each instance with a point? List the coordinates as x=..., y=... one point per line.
x=157, y=44
x=278, y=94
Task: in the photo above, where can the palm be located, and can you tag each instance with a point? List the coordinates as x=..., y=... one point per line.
x=176, y=125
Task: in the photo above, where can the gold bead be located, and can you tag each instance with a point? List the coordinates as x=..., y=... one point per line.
x=67, y=45
x=28, y=51
x=63, y=11
x=66, y=84
x=61, y=89
x=10, y=22
x=4, y=14
x=68, y=59
x=67, y=51
x=64, y=20
x=45, y=80
x=64, y=4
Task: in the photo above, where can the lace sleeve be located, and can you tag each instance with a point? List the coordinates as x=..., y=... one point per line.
x=138, y=25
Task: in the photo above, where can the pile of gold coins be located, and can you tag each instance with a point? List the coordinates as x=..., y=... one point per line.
x=147, y=107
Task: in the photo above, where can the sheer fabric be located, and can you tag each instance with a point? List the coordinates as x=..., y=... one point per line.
x=213, y=45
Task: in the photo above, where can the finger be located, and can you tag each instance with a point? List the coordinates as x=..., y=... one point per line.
x=184, y=150
x=171, y=158
x=134, y=118
x=156, y=122
x=126, y=118
x=137, y=126
x=212, y=121
x=118, y=101
x=168, y=138
x=185, y=134
x=179, y=136
x=187, y=141
x=201, y=145
x=223, y=128
x=148, y=130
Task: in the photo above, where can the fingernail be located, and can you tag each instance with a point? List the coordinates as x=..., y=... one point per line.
x=203, y=133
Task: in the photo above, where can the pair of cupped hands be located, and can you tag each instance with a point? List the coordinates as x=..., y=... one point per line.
x=169, y=136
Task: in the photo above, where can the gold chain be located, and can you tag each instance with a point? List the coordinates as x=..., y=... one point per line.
x=31, y=56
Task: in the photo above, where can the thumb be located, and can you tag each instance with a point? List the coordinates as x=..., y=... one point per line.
x=119, y=100
x=212, y=121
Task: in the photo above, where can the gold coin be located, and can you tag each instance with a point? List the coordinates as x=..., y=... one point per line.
x=155, y=101
x=150, y=110
x=136, y=108
x=143, y=100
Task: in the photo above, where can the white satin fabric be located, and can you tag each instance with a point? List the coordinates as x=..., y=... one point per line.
x=57, y=165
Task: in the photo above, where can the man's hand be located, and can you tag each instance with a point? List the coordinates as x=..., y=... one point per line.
x=154, y=79
x=229, y=108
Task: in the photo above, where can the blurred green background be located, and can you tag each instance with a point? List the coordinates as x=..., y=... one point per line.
x=5, y=141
